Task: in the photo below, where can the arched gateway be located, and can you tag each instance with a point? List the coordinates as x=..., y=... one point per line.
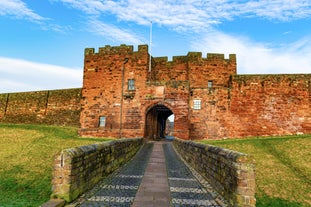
x=156, y=118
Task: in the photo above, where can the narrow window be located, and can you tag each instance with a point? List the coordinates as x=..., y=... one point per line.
x=102, y=121
x=131, y=84
x=210, y=84
x=197, y=104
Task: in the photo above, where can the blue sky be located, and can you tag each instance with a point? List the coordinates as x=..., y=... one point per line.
x=42, y=41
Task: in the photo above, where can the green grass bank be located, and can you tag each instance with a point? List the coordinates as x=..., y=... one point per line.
x=26, y=160
x=283, y=168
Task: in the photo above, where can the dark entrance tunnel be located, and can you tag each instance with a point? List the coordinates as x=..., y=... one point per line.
x=156, y=118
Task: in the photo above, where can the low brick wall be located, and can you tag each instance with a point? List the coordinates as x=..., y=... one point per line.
x=78, y=169
x=231, y=174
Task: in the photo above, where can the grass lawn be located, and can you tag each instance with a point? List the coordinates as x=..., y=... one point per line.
x=26, y=160
x=283, y=168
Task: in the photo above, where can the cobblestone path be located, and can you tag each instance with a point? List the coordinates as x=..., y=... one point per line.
x=181, y=184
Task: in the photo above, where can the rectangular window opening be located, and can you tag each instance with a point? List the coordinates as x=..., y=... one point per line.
x=131, y=84
x=197, y=104
x=210, y=84
x=102, y=121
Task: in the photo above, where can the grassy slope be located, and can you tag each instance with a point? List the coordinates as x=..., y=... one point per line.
x=26, y=160
x=283, y=168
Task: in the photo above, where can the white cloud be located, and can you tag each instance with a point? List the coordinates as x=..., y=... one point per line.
x=258, y=58
x=18, y=9
x=192, y=14
x=21, y=75
x=283, y=10
x=114, y=33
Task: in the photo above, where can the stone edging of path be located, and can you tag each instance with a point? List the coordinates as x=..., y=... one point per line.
x=217, y=197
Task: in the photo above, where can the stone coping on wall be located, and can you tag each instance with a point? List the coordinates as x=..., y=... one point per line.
x=78, y=169
x=230, y=173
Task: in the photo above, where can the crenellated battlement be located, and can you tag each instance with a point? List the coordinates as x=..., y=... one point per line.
x=211, y=57
x=193, y=56
x=127, y=49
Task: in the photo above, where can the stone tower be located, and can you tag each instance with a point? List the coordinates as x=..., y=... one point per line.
x=122, y=98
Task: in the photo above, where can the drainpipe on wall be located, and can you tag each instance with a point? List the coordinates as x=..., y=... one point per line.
x=122, y=92
x=6, y=104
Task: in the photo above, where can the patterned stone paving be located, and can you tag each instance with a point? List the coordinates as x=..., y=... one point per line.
x=118, y=189
x=187, y=188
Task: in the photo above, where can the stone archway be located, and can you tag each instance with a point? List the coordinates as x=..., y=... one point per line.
x=155, y=125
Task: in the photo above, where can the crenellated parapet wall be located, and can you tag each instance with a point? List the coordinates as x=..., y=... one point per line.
x=197, y=56
x=110, y=50
x=211, y=57
x=115, y=50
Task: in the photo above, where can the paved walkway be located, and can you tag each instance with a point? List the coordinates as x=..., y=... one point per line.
x=154, y=189
x=156, y=177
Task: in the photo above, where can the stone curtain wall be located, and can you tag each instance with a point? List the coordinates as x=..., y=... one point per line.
x=253, y=105
x=77, y=170
x=56, y=107
x=269, y=105
x=231, y=173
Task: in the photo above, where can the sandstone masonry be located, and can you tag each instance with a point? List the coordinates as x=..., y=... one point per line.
x=123, y=97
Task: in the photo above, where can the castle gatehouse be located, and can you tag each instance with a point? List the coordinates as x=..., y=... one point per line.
x=128, y=94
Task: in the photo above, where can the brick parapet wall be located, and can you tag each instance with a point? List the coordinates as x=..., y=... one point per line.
x=232, y=174
x=56, y=107
x=78, y=169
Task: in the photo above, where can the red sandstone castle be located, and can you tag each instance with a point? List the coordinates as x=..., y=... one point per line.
x=122, y=96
